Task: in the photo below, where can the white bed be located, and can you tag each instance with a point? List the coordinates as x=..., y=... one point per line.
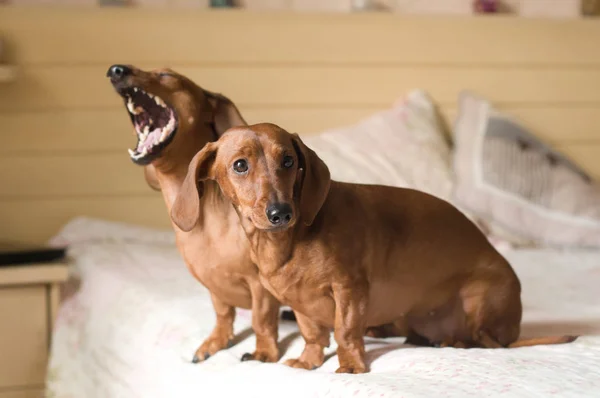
x=132, y=323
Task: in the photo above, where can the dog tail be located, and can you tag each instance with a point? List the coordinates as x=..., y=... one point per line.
x=543, y=341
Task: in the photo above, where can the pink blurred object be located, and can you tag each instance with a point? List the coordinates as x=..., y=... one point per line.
x=175, y=4
x=485, y=6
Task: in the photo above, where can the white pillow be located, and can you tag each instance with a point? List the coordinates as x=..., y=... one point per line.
x=403, y=146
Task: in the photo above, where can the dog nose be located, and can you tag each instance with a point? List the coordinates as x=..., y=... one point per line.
x=118, y=71
x=279, y=213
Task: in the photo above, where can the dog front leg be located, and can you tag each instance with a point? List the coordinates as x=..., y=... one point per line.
x=316, y=338
x=221, y=335
x=265, y=323
x=350, y=326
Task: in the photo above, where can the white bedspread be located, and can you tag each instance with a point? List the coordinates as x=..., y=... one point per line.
x=132, y=326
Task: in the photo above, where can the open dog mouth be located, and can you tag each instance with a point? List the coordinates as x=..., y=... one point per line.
x=154, y=121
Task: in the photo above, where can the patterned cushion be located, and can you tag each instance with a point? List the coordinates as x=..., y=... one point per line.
x=523, y=189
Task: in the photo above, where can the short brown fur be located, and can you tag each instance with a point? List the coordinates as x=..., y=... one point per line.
x=354, y=256
x=214, y=248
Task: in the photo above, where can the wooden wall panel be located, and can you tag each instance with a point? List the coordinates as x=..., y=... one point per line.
x=64, y=131
x=40, y=176
x=107, y=175
x=86, y=87
x=36, y=220
x=228, y=37
x=109, y=130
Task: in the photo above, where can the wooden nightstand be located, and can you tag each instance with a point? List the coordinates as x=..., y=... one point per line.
x=29, y=299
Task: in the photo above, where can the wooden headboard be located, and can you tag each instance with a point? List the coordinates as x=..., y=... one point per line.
x=64, y=133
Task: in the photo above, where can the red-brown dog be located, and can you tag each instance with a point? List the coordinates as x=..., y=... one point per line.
x=173, y=119
x=349, y=256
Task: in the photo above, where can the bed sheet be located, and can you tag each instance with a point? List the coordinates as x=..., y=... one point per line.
x=130, y=325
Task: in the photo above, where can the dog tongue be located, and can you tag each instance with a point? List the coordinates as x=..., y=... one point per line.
x=149, y=142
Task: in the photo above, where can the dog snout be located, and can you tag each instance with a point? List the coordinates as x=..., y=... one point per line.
x=279, y=213
x=117, y=72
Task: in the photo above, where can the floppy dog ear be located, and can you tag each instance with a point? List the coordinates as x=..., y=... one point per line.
x=315, y=180
x=225, y=113
x=186, y=208
x=150, y=176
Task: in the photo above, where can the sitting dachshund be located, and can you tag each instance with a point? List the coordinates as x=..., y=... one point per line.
x=348, y=256
x=173, y=119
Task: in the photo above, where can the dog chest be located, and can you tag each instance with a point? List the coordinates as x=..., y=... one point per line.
x=315, y=301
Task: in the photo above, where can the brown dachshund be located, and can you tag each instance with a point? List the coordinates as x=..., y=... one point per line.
x=173, y=119
x=349, y=256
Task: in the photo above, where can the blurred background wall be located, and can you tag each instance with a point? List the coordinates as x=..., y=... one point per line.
x=64, y=132
x=532, y=8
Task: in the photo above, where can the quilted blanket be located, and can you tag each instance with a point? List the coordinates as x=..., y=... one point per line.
x=132, y=317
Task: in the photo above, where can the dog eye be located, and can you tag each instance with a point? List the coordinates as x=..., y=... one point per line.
x=288, y=161
x=240, y=166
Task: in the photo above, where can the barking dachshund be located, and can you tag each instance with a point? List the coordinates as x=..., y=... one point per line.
x=173, y=119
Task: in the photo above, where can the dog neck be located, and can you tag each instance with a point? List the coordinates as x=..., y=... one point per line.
x=171, y=169
x=271, y=250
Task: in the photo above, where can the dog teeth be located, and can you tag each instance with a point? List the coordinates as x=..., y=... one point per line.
x=145, y=133
x=140, y=154
x=168, y=128
x=144, y=151
x=131, y=152
x=160, y=102
x=136, y=110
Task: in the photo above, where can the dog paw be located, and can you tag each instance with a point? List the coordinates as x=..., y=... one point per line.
x=298, y=364
x=210, y=347
x=354, y=370
x=260, y=356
